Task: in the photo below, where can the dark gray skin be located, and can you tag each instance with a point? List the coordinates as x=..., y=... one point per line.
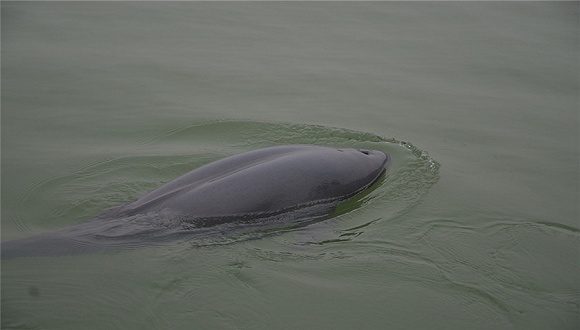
x=295, y=182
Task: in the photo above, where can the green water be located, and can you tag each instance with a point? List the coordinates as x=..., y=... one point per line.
x=475, y=226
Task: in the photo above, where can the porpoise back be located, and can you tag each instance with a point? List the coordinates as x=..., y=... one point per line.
x=266, y=181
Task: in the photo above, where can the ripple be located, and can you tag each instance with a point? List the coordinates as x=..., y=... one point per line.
x=84, y=192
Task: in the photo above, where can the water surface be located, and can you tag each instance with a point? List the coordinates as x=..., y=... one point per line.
x=475, y=226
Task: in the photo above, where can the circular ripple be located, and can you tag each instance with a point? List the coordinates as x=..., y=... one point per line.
x=85, y=192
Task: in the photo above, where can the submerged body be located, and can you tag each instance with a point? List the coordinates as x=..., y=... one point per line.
x=256, y=185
